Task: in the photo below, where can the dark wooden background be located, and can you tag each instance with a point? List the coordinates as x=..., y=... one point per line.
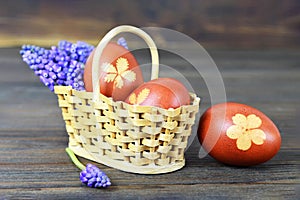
x=34, y=165
x=219, y=23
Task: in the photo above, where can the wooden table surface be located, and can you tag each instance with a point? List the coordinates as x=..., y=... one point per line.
x=34, y=165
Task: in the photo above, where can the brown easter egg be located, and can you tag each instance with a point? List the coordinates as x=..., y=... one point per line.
x=162, y=92
x=120, y=73
x=238, y=134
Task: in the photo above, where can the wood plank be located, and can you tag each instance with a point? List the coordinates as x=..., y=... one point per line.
x=34, y=165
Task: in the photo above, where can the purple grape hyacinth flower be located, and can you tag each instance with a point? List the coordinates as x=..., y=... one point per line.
x=94, y=177
x=60, y=65
x=121, y=41
x=90, y=175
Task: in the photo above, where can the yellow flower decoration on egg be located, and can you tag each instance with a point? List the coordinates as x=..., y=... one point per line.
x=140, y=98
x=246, y=130
x=119, y=72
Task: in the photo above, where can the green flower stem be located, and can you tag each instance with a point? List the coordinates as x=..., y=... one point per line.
x=74, y=159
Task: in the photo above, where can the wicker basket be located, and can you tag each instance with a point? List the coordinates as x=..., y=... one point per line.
x=131, y=138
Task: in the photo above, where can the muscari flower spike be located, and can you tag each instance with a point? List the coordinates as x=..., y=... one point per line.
x=90, y=175
x=121, y=41
x=62, y=64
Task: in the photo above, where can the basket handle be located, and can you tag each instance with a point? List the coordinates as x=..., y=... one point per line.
x=105, y=40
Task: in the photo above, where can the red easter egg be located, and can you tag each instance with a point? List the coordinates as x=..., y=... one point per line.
x=120, y=73
x=162, y=92
x=245, y=137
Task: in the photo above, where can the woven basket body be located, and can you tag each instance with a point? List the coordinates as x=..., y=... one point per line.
x=138, y=139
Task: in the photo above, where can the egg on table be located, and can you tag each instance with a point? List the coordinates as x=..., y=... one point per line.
x=162, y=92
x=238, y=134
x=120, y=73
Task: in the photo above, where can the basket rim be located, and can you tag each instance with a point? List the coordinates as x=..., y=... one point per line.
x=195, y=100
